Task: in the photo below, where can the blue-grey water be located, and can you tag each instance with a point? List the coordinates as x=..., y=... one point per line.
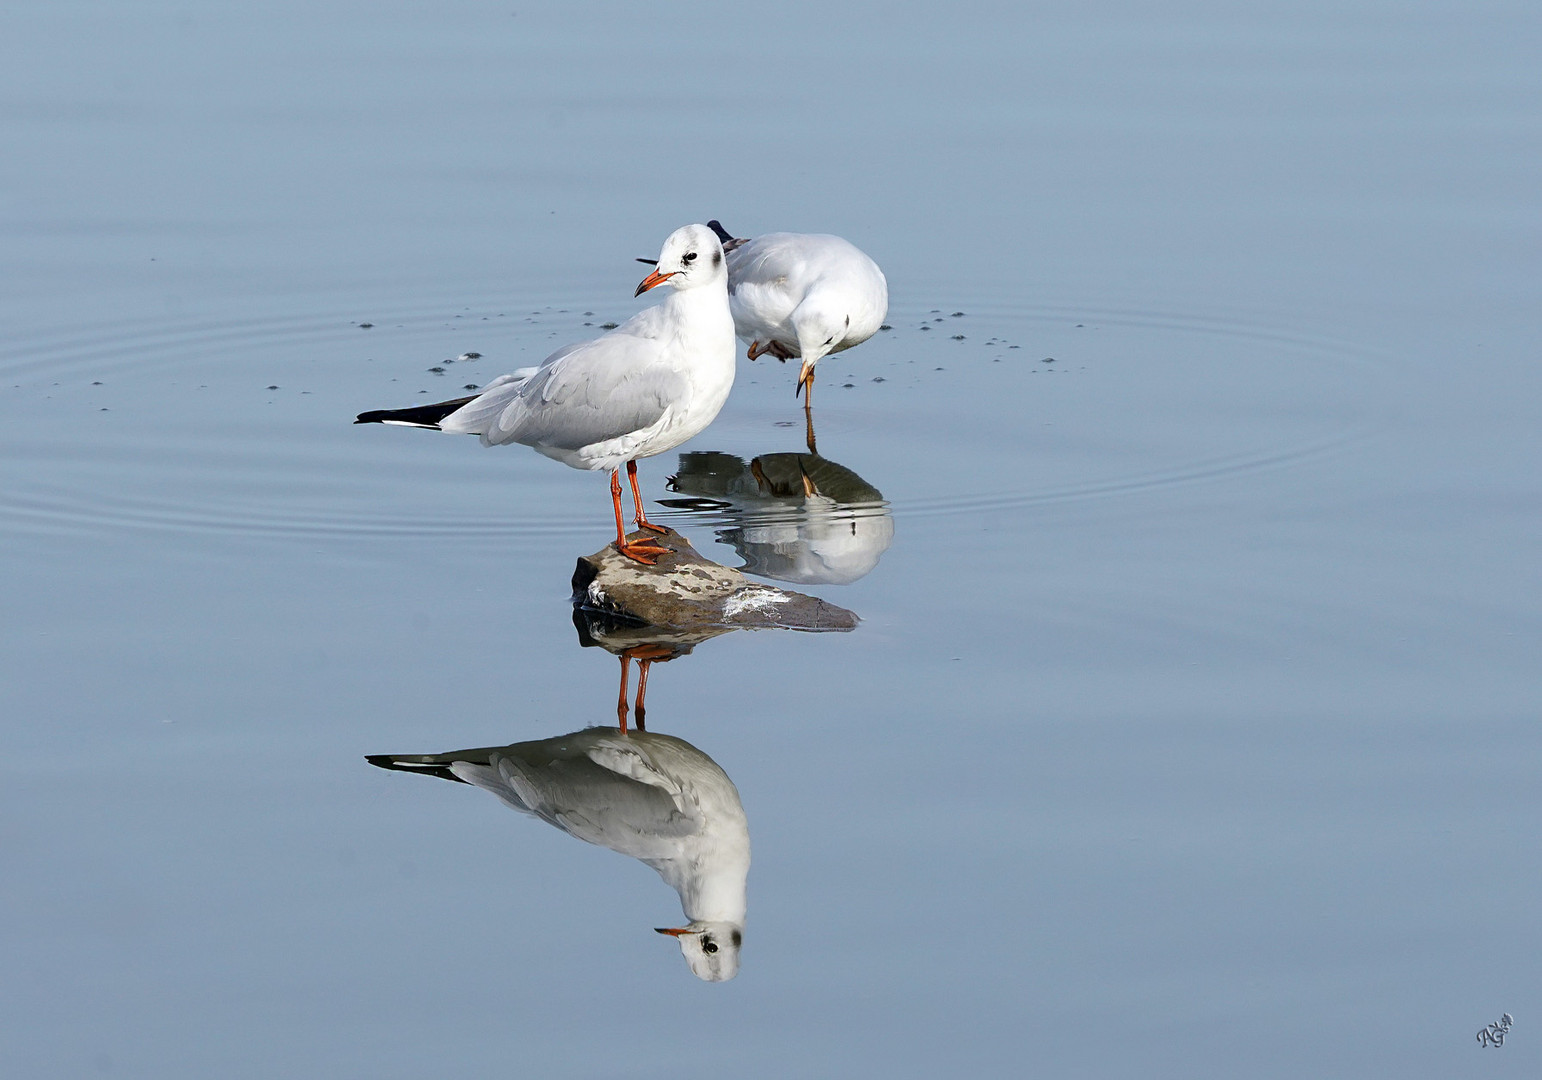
x=1191, y=727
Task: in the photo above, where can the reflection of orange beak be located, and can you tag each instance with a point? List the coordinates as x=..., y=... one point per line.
x=673, y=933
x=653, y=279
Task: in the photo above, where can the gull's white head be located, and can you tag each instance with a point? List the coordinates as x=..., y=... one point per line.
x=691, y=257
x=710, y=948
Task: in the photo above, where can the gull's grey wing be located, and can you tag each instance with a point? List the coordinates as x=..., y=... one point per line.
x=584, y=394
x=775, y=261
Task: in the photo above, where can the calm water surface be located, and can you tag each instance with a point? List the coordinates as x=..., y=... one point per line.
x=1191, y=724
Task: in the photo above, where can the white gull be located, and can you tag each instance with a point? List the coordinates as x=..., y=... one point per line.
x=645, y=387
x=802, y=295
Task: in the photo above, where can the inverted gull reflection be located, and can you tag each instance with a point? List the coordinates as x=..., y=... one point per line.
x=653, y=797
x=793, y=517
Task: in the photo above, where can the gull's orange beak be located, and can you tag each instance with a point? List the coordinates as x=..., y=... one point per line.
x=653, y=279
x=805, y=380
x=673, y=933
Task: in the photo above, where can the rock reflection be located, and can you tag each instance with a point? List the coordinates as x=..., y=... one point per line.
x=793, y=517
x=653, y=797
x=647, y=645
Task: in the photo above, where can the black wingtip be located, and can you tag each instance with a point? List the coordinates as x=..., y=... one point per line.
x=723, y=234
x=650, y=262
x=425, y=416
x=397, y=764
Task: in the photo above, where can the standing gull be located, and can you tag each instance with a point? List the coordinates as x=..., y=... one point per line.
x=645, y=387
x=802, y=295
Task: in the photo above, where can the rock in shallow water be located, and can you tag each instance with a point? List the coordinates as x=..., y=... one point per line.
x=685, y=591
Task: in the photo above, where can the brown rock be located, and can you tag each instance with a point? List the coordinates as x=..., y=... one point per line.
x=686, y=592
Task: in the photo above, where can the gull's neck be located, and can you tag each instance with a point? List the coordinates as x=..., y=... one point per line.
x=711, y=872
x=701, y=310
x=713, y=890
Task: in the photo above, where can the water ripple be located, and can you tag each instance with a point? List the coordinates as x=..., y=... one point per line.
x=178, y=390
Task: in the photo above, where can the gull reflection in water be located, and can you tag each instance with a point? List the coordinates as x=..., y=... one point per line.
x=793, y=517
x=653, y=797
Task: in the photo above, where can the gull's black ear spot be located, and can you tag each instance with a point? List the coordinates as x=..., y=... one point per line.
x=717, y=259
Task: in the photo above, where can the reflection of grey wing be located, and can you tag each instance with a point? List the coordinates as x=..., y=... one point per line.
x=796, y=475
x=607, y=797
x=838, y=483
x=584, y=394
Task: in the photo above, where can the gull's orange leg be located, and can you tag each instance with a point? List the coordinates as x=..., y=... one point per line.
x=641, y=519
x=642, y=690
x=621, y=700
x=643, y=551
x=808, y=421
x=645, y=655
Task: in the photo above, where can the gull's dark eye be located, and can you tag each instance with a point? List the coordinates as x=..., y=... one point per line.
x=708, y=945
x=688, y=258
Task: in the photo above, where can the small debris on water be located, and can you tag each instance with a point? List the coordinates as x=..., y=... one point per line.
x=958, y=315
x=97, y=383
x=1047, y=360
x=847, y=386
x=272, y=388
x=926, y=328
x=878, y=378
x=609, y=325
x=469, y=386
x=958, y=337
x=782, y=423
x=437, y=370
x=886, y=326
x=366, y=326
